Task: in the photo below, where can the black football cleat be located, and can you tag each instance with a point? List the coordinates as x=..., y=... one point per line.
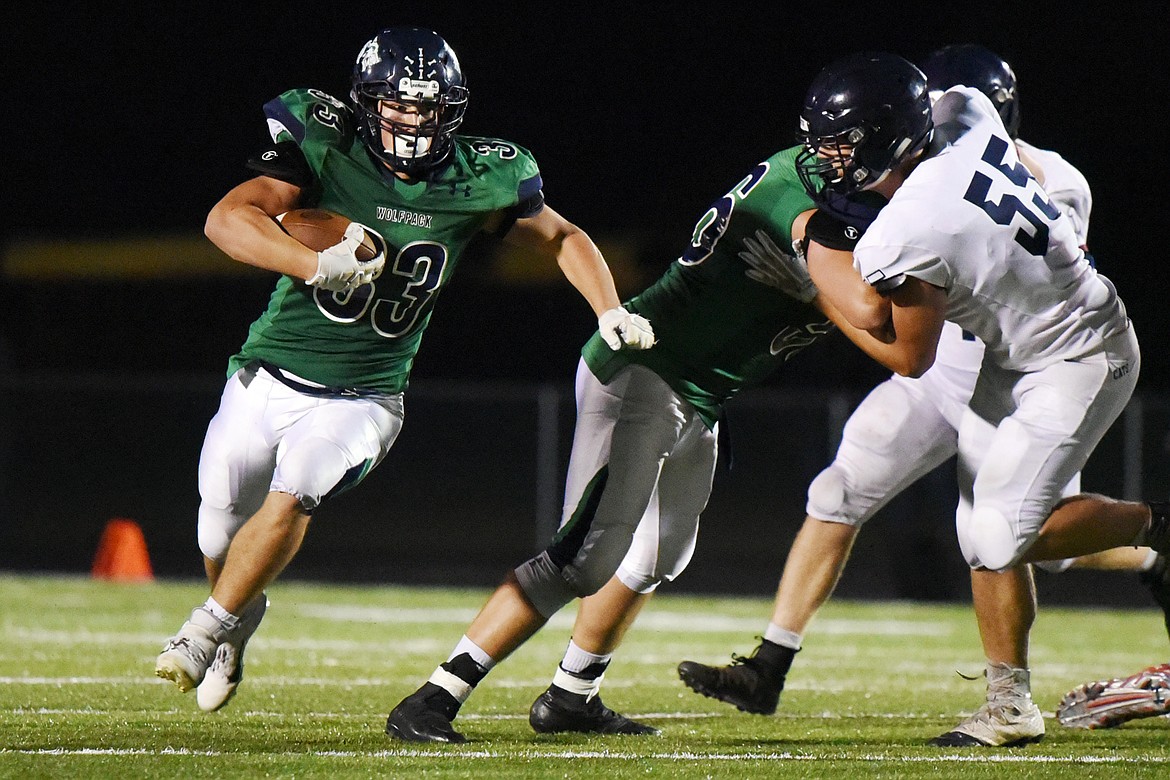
x=1157, y=579
x=746, y=683
x=425, y=716
x=557, y=710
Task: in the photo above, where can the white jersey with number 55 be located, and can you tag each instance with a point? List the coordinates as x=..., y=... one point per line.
x=1033, y=299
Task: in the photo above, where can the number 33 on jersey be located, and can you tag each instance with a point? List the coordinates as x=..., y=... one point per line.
x=369, y=337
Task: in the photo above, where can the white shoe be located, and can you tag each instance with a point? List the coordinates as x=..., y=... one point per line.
x=227, y=667
x=1009, y=717
x=186, y=655
x=1001, y=723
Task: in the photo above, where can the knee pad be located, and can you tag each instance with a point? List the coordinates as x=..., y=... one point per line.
x=215, y=531
x=311, y=470
x=827, y=495
x=544, y=584
x=989, y=540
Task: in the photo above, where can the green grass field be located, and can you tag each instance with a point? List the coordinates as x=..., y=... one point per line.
x=875, y=681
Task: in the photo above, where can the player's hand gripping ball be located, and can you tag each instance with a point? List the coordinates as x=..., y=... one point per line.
x=349, y=254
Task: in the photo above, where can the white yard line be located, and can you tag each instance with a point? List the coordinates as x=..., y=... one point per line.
x=456, y=753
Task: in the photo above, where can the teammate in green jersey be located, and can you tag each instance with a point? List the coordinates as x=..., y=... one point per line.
x=731, y=310
x=313, y=399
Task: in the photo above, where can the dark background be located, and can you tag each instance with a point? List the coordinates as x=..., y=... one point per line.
x=124, y=121
x=130, y=120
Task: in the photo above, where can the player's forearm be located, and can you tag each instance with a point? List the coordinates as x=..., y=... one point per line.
x=248, y=235
x=834, y=275
x=582, y=264
x=881, y=343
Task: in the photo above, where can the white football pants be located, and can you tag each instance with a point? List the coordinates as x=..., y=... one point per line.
x=267, y=437
x=901, y=431
x=1025, y=435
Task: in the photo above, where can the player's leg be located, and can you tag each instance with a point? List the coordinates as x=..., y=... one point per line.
x=572, y=702
x=320, y=446
x=1089, y=523
x=235, y=470
x=896, y=435
x=663, y=545
x=1024, y=438
x=1137, y=559
x=1005, y=609
x=624, y=430
x=1004, y=605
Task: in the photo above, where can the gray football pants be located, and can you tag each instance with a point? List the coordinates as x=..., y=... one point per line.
x=639, y=475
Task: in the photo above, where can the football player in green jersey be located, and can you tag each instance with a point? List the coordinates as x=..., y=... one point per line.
x=731, y=310
x=313, y=399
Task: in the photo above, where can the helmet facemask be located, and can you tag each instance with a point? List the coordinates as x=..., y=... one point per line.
x=413, y=148
x=852, y=160
x=830, y=162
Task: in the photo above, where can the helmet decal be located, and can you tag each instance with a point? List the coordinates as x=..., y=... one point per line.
x=369, y=56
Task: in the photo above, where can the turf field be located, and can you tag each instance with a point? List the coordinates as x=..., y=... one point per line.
x=874, y=682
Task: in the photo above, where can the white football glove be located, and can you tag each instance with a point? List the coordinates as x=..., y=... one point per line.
x=621, y=328
x=772, y=266
x=339, y=270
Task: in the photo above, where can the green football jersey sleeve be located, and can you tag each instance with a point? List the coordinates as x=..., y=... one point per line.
x=368, y=338
x=717, y=329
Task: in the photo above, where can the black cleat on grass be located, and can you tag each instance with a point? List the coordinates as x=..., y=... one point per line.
x=425, y=716
x=744, y=683
x=557, y=710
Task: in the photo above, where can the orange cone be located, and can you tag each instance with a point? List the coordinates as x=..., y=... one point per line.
x=122, y=554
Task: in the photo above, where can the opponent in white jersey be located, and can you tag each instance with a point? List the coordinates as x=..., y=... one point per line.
x=881, y=451
x=971, y=237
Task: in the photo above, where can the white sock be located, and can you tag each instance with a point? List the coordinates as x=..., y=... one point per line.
x=577, y=660
x=476, y=652
x=219, y=613
x=783, y=637
x=576, y=671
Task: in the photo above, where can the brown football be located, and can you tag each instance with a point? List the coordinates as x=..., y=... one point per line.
x=319, y=229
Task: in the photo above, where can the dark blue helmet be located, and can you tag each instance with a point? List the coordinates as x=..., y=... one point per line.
x=863, y=115
x=971, y=65
x=411, y=67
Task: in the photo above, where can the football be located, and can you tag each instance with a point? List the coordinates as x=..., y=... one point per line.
x=319, y=229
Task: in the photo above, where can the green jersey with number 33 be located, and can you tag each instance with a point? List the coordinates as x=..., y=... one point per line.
x=717, y=329
x=368, y=338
